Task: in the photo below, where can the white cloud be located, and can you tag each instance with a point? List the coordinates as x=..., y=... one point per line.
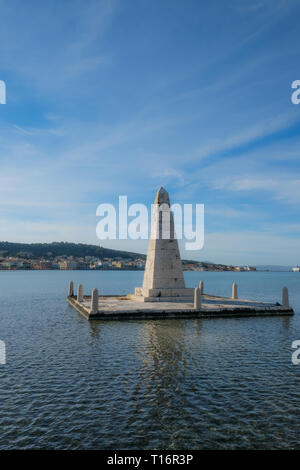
x=250, y=134
x=40, y=231
x=56, y=48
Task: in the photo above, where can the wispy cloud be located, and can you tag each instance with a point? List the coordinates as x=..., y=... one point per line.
x=60, y=47
x=253, y=133
x=106, y=98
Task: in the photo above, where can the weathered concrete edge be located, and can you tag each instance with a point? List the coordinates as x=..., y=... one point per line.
x=80, y=308
x=162, y=314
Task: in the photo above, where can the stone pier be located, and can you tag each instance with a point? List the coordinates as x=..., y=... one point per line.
x=118, y=307
x=164, y=293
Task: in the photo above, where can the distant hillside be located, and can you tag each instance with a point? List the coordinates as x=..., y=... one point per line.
x=77, y=250
x=51, y=250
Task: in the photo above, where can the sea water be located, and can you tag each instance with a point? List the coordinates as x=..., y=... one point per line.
x=167, y=384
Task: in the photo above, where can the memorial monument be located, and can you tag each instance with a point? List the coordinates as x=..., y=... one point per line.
x=163, y=278
x=163, y=293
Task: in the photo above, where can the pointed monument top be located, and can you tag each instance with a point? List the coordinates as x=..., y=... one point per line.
x=163, y=276
x=162, y=197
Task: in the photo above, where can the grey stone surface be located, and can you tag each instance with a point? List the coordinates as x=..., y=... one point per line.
x=161, y=295
x=197, y=299
x=163, y=266
x=285, y=297
x=122, y=307
x=80, y=293
x=71, y=289
x=94, y=301
x=164, y=294
x=163, y=275
x=234, y=291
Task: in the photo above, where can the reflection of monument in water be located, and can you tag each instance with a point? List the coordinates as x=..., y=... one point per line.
x=163, y=278
x=162, y=352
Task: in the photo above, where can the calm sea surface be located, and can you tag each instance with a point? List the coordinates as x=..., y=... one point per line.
x=171, y=384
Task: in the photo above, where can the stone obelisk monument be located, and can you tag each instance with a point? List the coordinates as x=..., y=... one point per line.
x=163, y=278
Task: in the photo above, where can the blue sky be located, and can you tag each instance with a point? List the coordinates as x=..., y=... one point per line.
x=109, y=98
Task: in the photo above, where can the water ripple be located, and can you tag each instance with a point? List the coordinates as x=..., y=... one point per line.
x=172, y=384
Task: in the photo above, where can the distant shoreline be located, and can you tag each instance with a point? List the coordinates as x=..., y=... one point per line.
x=79, y=256
x=137, y=269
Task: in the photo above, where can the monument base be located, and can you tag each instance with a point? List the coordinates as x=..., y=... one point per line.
x=142, y=294
x=120, y=307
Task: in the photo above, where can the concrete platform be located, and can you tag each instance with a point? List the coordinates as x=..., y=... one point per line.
x=142, y=294
x=125, y=308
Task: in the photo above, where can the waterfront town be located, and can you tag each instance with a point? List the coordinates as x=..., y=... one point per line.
x=25, y=261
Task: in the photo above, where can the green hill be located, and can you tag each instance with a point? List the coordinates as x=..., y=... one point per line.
x=51, y=250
